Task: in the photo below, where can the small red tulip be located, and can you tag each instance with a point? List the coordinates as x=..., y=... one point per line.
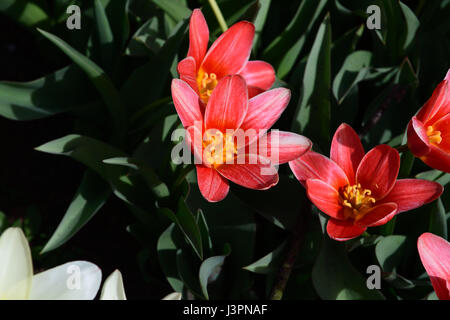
x=358, y=190
x=435, y=255
x=202, y=68
x=429, y=129
x=214, y=136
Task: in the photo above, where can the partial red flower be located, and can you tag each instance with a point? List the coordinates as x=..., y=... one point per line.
x=435, y=255
x=429, y=129
x=358, y=190
x=230, y=116
x=202, y=68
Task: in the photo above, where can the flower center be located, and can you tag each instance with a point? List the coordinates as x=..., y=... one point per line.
x=356, y=201
x=433, y=135
x=218, y=148
x=206, y=83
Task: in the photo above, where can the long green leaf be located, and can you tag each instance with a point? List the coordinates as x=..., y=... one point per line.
x=312, y=117
x=89, y=198
x=99, y=78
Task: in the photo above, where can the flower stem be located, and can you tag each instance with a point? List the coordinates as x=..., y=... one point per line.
x=294, y=248
x=218, y=14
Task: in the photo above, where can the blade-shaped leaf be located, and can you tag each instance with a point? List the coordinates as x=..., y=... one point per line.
x=312, y=117
x=89, y=198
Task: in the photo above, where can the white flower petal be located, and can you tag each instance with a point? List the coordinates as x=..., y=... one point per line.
x=173, y=296
x=76, y=280
x=113, y=287
x=16, y=266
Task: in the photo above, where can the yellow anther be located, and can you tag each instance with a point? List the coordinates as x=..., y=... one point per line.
x=206, y=84
x=356, y=200
x=434, y=136
x=219, y=148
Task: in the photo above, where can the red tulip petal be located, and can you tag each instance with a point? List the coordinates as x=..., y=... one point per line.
x=409, y=194
x=378, y=170
x=435, y=255
x=325, y=198
x=256, y=173
x=281, y=147
x=378, y=215
x=443, y=126
x=198, y=37
x=342, y=230
x=187, y=70
x=194, y=139
x=418, y=141
x=313, y=165
x=265, y=109
x=259, y=74
x=227, y=106
x=438, y=105
x=437, y=159
x=211, y=184
x=230, y=52
x=186, y=103
x=254, y=91
x=347, y=150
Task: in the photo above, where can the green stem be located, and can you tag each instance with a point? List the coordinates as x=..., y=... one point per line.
x=218, y=14
x=294, y=248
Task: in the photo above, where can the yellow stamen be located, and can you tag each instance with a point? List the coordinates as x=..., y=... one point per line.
x=356, y=201
x=206, y=84
x=218, y=148
x=434, y=136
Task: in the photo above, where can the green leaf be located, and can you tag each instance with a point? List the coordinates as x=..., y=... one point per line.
x=159, y=188
x=52, y=94
x=89, y=198
x=89, y=151
x=412, y=24
x=153, y=74
x=185, y=220
x=204, y=231
x=98, y=77
x=174, y=9
x=269, y=263
x=188, y=271
x=146, y=39
x=438, y=220
x=104, y=35
x=227, y=225
x=24, y=12
x=289, y=43
x=312, y=117
x=354, y=70
x=335, y=278
x=209, y=271
x=389, y=252
x=260, y=21
x=167, y=256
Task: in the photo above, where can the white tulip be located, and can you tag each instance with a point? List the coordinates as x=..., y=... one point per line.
x=77, y=280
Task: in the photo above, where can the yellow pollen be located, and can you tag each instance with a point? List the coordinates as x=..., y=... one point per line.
x=218, y=148
x=356, y=201
x=434, y=136
x=206, y=84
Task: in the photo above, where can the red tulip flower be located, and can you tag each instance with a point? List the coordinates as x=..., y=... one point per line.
x=214, y=136
x=435, y=255
x=358, y=190
x=202, y=69
x=429, y=130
